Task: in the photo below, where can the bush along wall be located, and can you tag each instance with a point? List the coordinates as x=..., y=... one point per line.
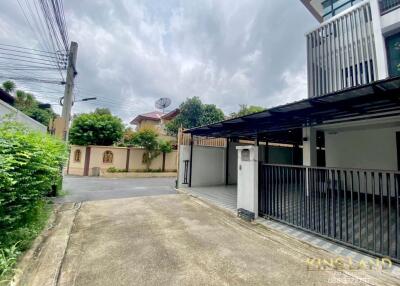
x=30, y=165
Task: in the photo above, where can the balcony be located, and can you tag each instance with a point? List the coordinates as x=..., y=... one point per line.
x=388, y=5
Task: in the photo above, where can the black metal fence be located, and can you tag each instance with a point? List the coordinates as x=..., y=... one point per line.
x=185, y=171
x=358, y=208
x=388, y=5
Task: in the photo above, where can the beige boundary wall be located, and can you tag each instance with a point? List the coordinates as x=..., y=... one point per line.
x=126, y=158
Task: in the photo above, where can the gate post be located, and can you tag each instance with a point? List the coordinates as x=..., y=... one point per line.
x=247, y=182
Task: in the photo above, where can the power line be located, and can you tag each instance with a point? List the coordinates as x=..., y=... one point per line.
x=29, y=79
x=47, y=22
x=25, y=57
x=30, y=49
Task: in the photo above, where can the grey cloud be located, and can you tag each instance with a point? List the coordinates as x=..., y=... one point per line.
x=225, y=52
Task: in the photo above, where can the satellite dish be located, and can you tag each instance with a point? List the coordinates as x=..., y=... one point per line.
x=163, y=103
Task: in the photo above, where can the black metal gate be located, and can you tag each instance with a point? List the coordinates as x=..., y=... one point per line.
x=358, y=208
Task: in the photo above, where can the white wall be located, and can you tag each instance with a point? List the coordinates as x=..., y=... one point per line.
x=368, y=149
x=6, y=109
x=390, y=21
x=208, y=166
x=233, y=162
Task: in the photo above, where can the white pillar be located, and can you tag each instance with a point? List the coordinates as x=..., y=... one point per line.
x=309, y=146
x=247, y=180
x=379, y=39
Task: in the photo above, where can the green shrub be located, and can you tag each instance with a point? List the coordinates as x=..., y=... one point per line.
x=116, y=170
x=112, y=170
x=31, y=164
x=8, y=259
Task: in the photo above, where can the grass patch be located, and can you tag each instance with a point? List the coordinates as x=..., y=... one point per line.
x=20, y=238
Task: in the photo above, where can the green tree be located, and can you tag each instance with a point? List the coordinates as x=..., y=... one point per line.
x=211, y=114
x=96, y=129
x=165, y=147
x=194, y=113
x=102, y=111
x=9, y=86
x=27, y=103
x=127, y=137
x=147, y=138
x=246, y=110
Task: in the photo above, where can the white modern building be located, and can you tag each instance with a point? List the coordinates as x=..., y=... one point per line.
x=8, y=112
x=328, y=164
x=358, y=42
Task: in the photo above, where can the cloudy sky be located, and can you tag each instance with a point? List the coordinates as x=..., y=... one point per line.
x=134, y=52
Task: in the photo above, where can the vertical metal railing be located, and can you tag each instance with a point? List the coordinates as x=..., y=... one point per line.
x=341, y=52
x=386, y=6
x=356, y=207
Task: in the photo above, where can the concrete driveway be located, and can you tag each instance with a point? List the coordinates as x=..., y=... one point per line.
x=174, y=240
x=79, y=189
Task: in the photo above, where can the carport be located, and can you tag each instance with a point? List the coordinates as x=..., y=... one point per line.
x=208, y=166
x=341, y=180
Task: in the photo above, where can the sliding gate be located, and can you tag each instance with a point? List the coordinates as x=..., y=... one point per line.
x=358, y=208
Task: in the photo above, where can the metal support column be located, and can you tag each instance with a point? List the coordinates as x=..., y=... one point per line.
x=227, y=162
x=191, y=161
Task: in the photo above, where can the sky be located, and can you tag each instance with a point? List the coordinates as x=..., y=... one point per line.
x=227, y=52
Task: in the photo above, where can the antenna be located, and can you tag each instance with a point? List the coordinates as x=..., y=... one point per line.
x=163, y=103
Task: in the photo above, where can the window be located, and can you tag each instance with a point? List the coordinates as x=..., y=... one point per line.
x=77, y=155
x=334, y=7
x=108, y=157
x=393, y=54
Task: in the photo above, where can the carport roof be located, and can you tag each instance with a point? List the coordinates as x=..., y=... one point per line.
x=374, y=100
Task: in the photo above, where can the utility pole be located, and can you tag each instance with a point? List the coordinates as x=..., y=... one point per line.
x=69, y=87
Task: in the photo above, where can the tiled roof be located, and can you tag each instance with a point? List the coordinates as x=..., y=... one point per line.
x=154, y=115
x=172, y=114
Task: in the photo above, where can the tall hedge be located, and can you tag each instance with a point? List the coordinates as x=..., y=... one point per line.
x=30, y=165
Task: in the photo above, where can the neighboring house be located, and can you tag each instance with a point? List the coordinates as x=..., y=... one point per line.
x=89, y=160
x=328, y=164
x=156, y=120
x=6, y=109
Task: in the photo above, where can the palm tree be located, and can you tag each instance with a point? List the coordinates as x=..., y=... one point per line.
x=30, y=100
x=9, y=86
x=20, y=99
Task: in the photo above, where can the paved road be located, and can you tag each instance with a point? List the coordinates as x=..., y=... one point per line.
x=81, y=189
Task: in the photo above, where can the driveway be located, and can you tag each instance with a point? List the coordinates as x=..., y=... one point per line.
x=174, y=240
x=79, y=189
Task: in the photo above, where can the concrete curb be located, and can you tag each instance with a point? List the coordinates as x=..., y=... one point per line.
x=139, y=175
x=41, y=265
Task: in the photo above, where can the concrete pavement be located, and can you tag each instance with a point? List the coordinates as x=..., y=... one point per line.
x=181, y=240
